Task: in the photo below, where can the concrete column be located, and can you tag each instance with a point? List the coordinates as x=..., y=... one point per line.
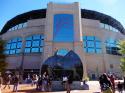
x=78, y=49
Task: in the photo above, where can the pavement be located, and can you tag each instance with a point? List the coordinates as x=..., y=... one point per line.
x=25, y=88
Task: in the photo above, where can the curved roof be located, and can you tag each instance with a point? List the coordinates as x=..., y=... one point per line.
x=41, y=13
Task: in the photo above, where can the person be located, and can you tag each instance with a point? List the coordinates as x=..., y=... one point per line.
x=15, y=83
x=65, y=79
x=34, y=79
x=7, y=80
x=85, y=85
x=124, y=83
x=49, y=83
x=119, y=87
x=112, y=79
x=0, y=82
x=39, y=83
x=68, y=83
x=28, y=79
x=44, y=81
x=105, y=84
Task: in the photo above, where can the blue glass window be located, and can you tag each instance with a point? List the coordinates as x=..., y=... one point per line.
x=34, y=44
x=112, y=47
x=27, y=50
x=28, y=44
x=92, y=44
x=63, y=29
x=91, y=50
x=62, y=52
x=13, y=46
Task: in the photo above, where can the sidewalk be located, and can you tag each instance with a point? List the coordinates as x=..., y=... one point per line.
x=24, y=88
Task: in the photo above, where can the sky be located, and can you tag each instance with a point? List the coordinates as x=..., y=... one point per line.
x=12, y=8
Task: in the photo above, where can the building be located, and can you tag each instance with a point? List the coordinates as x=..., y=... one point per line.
x=63, y=38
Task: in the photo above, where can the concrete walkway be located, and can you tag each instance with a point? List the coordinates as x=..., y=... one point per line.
x=25, y=88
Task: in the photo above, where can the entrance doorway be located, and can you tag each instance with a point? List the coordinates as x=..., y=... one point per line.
x=58, y=65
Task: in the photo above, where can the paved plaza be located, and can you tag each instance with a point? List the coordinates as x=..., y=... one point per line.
x=25, y=88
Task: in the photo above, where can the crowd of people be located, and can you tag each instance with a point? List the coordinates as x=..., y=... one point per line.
x=108, y=84
x=44, y=82
x=7, y=80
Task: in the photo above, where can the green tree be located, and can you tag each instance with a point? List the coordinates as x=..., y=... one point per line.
x=122, y=51
x=3, y=64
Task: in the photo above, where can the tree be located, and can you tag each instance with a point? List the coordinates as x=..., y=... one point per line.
x=3, y=64
x=122, y=52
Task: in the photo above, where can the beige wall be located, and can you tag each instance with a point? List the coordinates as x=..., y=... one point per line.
x=31, y=61
x=76, y=46
x=102, y=61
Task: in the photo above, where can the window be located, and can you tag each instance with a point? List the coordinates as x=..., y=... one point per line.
x=102, y=25
x=34, y=44
x=112, y=47
x=108, y=27
x=19, y=26
x=63, y=29
x=92, y=44
x=62, y=52
x=13, y=46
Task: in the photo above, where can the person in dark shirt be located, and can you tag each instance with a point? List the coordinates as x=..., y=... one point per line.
x=105, y=83
x=120, y=87
x=7, y=80
x=69, y=82
x=15, y=83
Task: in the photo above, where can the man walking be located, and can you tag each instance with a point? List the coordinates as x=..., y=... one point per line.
x=15, y=83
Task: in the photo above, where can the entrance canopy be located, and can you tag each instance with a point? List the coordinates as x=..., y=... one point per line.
x=59, y=65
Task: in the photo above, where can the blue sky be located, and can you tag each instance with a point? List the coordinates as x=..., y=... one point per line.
x=11, y=8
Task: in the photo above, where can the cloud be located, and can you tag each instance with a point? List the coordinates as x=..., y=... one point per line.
x=108, y=2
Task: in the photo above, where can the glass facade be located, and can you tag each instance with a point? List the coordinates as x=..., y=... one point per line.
x=34, y=44
x=13, y=46
x=92, y=44
x=57, y=66
x=63, y=28
x=62, y=52
x=112, y=47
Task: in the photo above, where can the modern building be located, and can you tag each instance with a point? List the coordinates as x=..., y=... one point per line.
x=63, y=39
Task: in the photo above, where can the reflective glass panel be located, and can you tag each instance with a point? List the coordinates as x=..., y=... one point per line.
x=35, y=50
x=34, y=43
x=62, y=52
x=12, y=45
x=27, y=50
x=36, y=37
x=91, y=50
x=112, y=47
x=63, y=29
x=28, y=44
x=59, y=66
x=92, y=44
